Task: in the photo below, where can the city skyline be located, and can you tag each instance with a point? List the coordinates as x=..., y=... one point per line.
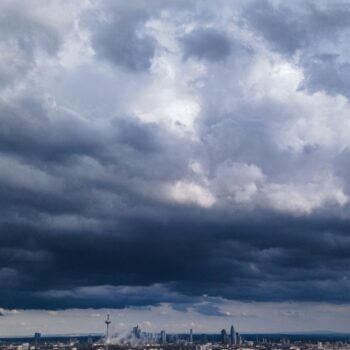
x=175, y=164
x=154, y=319
x=136, y=338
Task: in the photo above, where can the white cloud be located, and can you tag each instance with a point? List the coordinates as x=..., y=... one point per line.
x=184, y=192
x=168, y=99
x=304, y=198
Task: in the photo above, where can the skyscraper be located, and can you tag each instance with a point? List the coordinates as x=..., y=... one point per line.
x=238, y=339
x=37, y=338
x=233, y=336
x=162, y=337
x=223, y=336
x=136, y=332
x=191, y=336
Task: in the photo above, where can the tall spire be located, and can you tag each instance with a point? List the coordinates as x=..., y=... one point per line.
x=107, y=322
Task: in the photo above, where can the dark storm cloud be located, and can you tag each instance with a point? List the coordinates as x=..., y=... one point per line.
x=257, y=261
x=123, y=207
x=29, y=127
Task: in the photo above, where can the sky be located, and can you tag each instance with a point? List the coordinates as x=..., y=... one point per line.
x=178, y=164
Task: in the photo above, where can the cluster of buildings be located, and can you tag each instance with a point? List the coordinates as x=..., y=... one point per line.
x=137, y=339
x=180, y=344
x=234, y=338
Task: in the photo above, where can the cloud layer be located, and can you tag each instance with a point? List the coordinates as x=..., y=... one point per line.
x=157, y=153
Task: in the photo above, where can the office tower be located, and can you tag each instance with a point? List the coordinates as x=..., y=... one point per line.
x=37, y=338
x=223, y=336
x=90, y=341
x=191, y=336
x=162, y=337
x=136, y=332
x=238, y=339
x=233, y=338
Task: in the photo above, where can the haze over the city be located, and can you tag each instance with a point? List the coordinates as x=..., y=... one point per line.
x=176, y=164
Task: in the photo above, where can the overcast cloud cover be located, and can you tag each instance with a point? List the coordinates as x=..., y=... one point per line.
x=180, y=158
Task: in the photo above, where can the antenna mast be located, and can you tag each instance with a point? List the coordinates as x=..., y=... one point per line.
x=107, y=322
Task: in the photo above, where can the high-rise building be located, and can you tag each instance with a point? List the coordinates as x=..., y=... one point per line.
x=162, y=337
x=223, y=336
x=191, y=336
x=90, y=342
x=37, y=337
x=136, y=332
x=233, y=336
x=238, y=339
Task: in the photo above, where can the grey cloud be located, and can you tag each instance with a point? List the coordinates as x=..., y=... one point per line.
x=314, y=30
x=140, y=137
x=293, y=26
x=326, y=72
x=109, y=296
x=279, y=24
x=208, y=309
x=119, y=36
x=24, y=36
x=30, y=126
x=208, y=44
